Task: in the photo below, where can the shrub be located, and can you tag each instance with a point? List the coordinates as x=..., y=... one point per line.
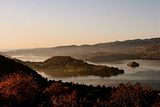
x=61, y=96
x=132, y=96
x=18, y=88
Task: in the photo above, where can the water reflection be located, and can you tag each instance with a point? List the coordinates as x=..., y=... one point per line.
x=147, y=73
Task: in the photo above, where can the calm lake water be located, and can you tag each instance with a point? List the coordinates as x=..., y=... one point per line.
x=147, y=73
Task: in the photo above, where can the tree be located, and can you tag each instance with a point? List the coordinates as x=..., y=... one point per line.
x=18, y=89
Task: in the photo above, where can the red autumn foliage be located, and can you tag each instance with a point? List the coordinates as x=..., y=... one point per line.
x=61, y=96
x=17, y=90
x=56, y=89
x=132, y=96
x=18, y=86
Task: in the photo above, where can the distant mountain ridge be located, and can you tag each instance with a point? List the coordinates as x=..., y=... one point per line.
x=133, y=48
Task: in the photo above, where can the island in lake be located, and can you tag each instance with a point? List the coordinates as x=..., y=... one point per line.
x=68, y=66
x=133, y=64
x=20, y=86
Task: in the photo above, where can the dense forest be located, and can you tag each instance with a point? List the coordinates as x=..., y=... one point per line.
x=68, y=66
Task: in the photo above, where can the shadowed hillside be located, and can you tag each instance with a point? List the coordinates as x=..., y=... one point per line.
x=9, y=66
x=3, y=54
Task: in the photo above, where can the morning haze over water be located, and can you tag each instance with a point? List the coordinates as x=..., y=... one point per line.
x=78, y=53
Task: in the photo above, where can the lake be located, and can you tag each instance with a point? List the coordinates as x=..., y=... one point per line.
x=147, y=73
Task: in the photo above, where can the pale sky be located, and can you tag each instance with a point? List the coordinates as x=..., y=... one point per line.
x=49, y=23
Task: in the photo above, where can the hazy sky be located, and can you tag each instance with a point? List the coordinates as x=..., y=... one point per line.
x=46, y=23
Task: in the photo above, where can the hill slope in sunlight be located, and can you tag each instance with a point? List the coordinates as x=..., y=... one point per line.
x=68, y=66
